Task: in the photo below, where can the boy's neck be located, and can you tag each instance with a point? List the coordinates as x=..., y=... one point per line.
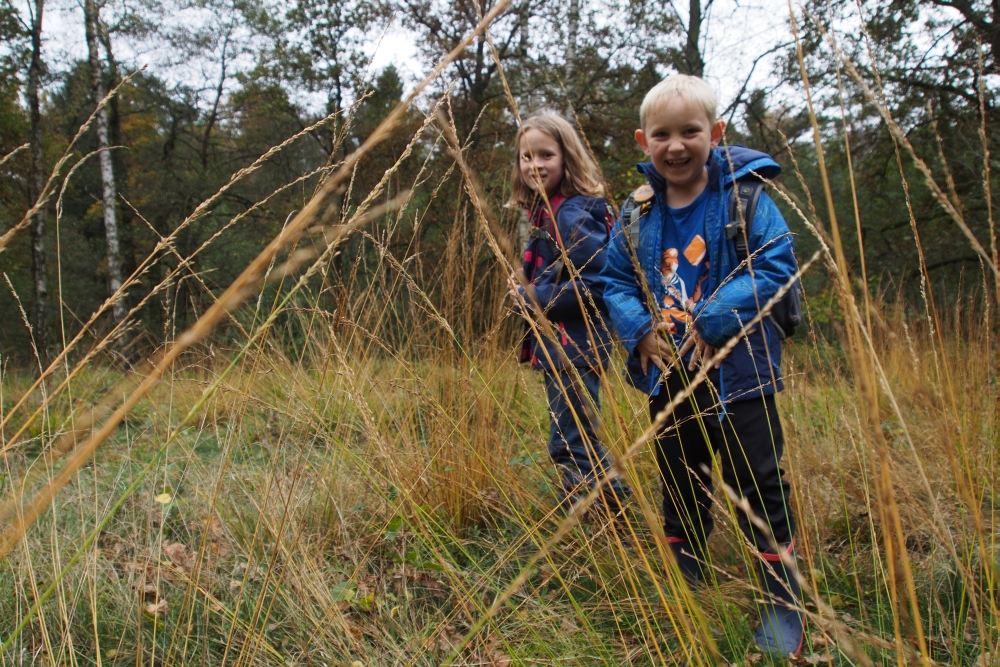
x=679, y=196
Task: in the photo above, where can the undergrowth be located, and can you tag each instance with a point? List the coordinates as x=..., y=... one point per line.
x=331, y=510
x=341, y=463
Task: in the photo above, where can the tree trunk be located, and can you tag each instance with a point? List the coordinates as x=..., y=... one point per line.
x=107, y=169
x=692, y=62
x=36, y=183
x=522, y=29
x=117, y=163
x=213, y=115
x=573, y=29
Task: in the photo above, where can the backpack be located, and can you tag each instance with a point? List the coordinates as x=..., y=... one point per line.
x=556, y=241
x=786, y=314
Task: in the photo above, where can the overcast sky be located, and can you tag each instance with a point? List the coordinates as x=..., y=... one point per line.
x=736, y=32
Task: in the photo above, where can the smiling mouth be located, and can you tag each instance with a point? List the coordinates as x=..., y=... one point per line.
x=678, y=163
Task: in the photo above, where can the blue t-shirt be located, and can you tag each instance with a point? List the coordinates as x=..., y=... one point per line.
x=683, y=262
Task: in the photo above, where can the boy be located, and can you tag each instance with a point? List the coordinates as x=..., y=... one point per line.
x=703, y=299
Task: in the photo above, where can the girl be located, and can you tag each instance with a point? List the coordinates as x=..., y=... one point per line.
x=558, y=184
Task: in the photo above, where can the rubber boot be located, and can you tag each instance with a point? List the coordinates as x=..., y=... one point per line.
x=782, y=628
x=688, y=560
x=573, y=491
x=616, y=498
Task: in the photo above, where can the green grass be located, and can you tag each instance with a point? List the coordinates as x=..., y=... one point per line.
x=327, y=520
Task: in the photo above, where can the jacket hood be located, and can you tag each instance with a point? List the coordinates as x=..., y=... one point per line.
x=739, y=162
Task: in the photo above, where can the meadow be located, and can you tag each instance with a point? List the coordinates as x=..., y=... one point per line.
x=341, y=463
x=340, y=506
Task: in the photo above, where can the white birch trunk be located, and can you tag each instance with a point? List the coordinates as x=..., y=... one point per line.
x=36, y=183
x=107, y=168
x=573, y=29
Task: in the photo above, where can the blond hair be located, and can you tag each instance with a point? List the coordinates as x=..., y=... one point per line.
x=691, y=89
x=580, y=174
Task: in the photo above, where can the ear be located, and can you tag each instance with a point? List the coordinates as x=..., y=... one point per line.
x=718, y=130
x=640, y=138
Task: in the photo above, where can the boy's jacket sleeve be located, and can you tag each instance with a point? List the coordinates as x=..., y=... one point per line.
x=585, y=235
x=736, y=301
x=622, y=292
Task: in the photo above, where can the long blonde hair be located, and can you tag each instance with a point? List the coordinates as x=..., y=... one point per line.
x=580, y=174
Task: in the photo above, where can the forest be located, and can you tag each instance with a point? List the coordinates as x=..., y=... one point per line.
x=169, y=146
x=260, y=400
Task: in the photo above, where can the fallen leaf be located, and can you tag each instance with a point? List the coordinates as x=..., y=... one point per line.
x=754, y=658
x=836, y=601
x=178, y=554
x=345, y=591
x=157, y=607
x=163, y=498
x=817, y=658
x=366, y=603
x=847, y=618
x=986, y=660
x=214, y=526
x=142, y=577
x=431, y=584
x=819, y=640
x=234, y=584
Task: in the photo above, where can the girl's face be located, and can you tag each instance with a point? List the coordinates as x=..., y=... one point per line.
x=540, y=159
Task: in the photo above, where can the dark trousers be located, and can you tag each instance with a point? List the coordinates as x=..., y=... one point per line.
x=573, y=442
x=749, y=443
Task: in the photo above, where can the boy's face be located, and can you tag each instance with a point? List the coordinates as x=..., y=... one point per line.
x=678, y=137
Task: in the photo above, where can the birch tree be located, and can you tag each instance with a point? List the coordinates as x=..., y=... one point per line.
x=571, y=37
x=36, y=178
x=109, y=192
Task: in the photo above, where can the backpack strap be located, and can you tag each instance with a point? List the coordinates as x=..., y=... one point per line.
x=636, y=206
x=786, y=315
x=609, y=218
x=540, y=232
x=743, y=200
x=555, y=203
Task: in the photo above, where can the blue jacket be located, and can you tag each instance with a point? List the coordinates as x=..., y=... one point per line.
x=730, y=300
x=582, y=334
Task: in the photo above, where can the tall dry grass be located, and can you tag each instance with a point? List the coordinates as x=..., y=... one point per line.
x=361, y=477
x=374, y=511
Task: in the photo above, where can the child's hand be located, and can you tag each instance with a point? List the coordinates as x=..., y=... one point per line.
x=702, y=350
x=653, y=347
x=515, y=281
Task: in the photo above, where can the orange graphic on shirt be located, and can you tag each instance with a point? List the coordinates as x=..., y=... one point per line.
x=695, y=252
x=676, y=299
